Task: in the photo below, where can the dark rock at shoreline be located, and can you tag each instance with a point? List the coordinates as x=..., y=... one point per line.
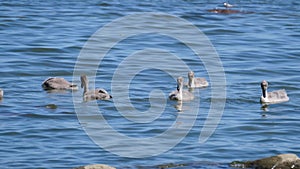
x=282, y=161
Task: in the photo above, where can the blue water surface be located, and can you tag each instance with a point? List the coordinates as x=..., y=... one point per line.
x=41, y=39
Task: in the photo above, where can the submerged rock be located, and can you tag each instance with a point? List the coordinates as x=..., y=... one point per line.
x=51, y=106
x=170, y=165
x=282, y=161
x=95, y=166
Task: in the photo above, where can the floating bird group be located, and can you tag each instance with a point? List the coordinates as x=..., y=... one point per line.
x=193, y=82
x=56, y=83
x=180, y=94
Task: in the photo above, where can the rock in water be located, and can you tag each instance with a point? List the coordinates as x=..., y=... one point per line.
x=283, y=161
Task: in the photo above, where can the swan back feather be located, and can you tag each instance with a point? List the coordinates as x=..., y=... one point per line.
x=56, y=83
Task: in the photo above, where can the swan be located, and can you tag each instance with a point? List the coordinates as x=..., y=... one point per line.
x=227, y=5
x=195, y=82
x=274, y=96
x=181, y=94
x=1, y=93
x=56, y=83
x=97, y=94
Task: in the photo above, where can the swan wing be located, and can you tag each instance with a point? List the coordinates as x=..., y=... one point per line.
x=173, y=95
x=278, y=96
x=58, y=83
x=186, y=95
x=200, y=82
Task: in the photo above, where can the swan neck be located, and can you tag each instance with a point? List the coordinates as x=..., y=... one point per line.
x=191, y=82
x=179, y=89
x=264, y=93
x=85, y=87
x=84, y=84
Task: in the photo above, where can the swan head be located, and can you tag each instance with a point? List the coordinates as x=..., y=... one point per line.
x=180, y=80
x=179, y=83
x=191, y=75
x=264, y=85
